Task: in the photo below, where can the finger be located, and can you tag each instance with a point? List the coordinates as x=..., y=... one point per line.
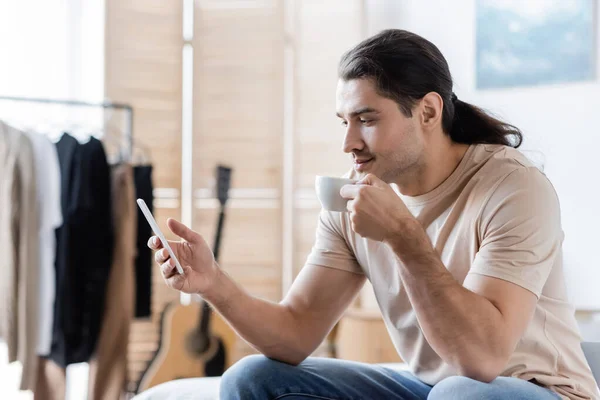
x=176, y=275
x=371, y=180
x=183, y=231
x=168, y=269
x=351, y=206
x=349, y=191
x=154, y=243
x=161, y=256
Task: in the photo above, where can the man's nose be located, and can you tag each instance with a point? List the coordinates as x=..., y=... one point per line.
x=352, y=140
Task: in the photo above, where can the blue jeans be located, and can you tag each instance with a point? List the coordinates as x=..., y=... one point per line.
x=260, y=378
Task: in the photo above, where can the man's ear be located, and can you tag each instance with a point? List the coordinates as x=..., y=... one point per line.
x=431, y=109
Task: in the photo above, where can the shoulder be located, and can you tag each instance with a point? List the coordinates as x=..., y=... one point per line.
x=502, y=169
x=521, y=195
x=510, y=171
x=507, y=185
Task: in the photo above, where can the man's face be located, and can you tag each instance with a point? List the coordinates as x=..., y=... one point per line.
x=380, y=138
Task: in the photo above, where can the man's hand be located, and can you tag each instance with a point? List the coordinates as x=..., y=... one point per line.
x=376, y=211
x=196, y=258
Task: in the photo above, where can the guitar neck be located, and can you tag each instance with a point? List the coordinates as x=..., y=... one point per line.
x=217, y=244
x=204, y=317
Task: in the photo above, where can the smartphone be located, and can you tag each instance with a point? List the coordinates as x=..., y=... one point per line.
x=142, y=204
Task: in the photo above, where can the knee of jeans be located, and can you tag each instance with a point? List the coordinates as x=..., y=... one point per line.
x=454, y=388
x=243, y=379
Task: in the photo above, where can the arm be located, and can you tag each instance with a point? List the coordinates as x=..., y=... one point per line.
x=291, y=330
x=288, y=331
x=475, y=327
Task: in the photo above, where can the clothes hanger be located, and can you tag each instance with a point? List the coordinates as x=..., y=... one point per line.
x=114, y=138
x=81, y=133
x=140, y=154
x=115, y=151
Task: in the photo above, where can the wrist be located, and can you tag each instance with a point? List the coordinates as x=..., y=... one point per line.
x=402, y=229
x=214, y=285
x=409, y=240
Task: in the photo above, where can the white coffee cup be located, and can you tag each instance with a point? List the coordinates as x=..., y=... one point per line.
x=328, y=192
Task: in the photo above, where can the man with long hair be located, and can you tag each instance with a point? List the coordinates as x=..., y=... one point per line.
x=459, y=234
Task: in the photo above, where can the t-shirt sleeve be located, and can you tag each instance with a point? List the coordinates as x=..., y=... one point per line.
x=331, y=248
x=520, y=231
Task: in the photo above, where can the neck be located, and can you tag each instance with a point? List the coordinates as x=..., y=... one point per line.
x=437, y=163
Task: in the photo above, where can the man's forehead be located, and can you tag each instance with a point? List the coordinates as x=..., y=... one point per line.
x=356, y=87
x=354, y=95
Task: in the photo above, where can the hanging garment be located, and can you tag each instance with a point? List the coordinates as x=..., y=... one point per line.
x=52, y=381
x=50, y=218
x=19, y=249
x=108, y=370
x=84, y=250
x=73, y=204
x=143, y=261
x=97, y=247
x=69, y=156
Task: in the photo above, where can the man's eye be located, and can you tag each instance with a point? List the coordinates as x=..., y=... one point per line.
x=364, y=121
x=344, y=123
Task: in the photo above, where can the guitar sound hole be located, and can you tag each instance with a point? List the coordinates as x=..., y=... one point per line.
x=196, y=342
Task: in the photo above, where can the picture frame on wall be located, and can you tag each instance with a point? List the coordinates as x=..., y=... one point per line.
x=532, y=43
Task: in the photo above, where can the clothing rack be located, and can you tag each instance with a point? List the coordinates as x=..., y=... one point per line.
x=105, y=105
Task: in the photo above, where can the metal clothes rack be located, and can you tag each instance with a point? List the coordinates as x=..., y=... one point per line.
x=105, y=105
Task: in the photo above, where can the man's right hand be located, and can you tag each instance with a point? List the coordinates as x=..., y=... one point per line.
x=200, y=269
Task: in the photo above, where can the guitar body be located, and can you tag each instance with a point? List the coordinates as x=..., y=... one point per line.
x=176, y=356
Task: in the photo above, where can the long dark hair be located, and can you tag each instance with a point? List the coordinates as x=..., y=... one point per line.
x=405, y=67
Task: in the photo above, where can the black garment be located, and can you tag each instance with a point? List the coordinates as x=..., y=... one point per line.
x=84, y=250
x=143, y=260
x=97, y=238
x=72, y=206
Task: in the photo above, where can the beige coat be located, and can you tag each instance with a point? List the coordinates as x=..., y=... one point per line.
x=108, y=371
x=19, y=251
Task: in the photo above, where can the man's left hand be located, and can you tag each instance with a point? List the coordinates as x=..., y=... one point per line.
x=376, y=211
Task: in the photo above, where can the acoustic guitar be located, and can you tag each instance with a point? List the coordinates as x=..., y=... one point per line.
x=194, y=340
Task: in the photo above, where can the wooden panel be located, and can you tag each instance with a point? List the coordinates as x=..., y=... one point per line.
x=362, y=336
x=238, y=92
x=143, y=52
x=306, y=221
x=318, y=134
x=143, y=68
x=325, y=30
x=250, y=246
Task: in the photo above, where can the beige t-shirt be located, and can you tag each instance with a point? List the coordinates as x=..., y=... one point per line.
x=496, y=215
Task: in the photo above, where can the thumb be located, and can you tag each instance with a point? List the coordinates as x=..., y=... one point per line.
x=371, y=180
x=183, y=231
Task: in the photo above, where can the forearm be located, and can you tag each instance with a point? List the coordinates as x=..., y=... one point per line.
x=269, y=327
x=461, y=326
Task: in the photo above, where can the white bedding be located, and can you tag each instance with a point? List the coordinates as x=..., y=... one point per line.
x=201, y=388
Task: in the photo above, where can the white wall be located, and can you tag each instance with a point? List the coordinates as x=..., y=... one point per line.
x=51, y=49
x=561, y=121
